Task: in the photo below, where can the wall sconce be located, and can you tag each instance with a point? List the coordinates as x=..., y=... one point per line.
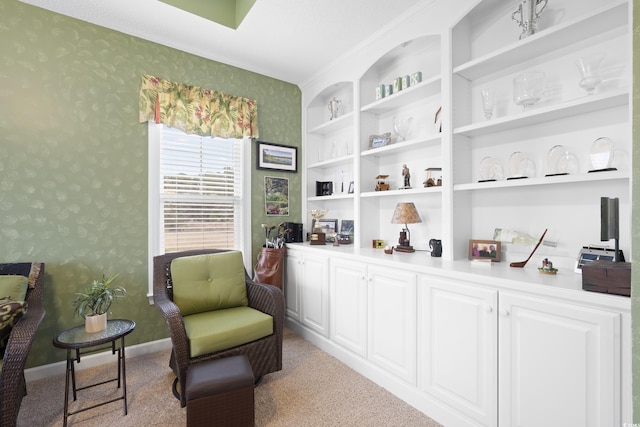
x=405, y=213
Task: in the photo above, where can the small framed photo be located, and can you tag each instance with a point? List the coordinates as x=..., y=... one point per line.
x=381, y=140
x=487, y=250
x=351, y=187
x=277, y=157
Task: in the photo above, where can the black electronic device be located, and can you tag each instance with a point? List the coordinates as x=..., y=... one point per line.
x=294, y=235
x=436, y=247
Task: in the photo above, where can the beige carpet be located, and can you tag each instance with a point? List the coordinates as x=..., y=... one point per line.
x=313, y=389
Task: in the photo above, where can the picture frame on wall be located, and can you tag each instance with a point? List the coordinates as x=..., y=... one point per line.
x=276, y=157
x=485, y=250
x=276, y=196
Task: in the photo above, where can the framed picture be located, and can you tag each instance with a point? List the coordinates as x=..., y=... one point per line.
x=277, y=157
x=488, y=250
x=381, y=140
x=346, y=227
x=351, y=187
x=327, y=226
x=276, y=196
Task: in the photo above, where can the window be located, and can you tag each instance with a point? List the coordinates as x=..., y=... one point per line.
x=197, y=189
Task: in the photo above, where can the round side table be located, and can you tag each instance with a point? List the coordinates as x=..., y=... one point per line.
x=76, y=339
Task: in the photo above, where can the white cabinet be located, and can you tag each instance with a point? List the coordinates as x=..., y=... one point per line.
x=467, y=348
x=559, y=364
x=348, y=309
x=392, y=321
x=312, y=288
x=293, y=279
x=458, y=338
x=506, y=359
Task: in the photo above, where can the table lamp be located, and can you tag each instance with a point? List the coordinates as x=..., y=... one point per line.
x=405, y=213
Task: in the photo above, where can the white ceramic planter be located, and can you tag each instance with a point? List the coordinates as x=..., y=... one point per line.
x=95, y=323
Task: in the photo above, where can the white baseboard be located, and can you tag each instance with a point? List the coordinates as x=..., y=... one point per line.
x=97, y=359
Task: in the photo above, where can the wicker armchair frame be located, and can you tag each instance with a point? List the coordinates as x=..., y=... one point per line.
x=12, y=382
x=265, y=354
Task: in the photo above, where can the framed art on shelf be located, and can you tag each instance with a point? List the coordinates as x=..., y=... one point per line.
x=276, y=157
x=327, y=226
x=485, y=250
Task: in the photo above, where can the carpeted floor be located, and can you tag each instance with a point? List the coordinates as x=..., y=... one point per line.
x=313, y=389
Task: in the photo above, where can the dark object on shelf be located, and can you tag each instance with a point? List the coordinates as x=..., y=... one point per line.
x=607, y=277
x=318, y=238
x=436, y=247
x=521, y=264
x=344, y=240
x=400, y=248
x=377, y=243
x=324, y=188
x=295, y=232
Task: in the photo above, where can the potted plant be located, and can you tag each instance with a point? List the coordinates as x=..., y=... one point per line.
x=93, y=303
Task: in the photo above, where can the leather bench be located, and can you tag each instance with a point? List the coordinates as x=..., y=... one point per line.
x=220, y=392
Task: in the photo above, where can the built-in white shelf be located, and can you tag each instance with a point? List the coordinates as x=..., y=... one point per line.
x=422, y=90
x=394, y=193
x=335, y=125
x=546, y=180
x=575, y=107
x=339, y=196
x=338, y=161
x=403, y=146
x=615, y=15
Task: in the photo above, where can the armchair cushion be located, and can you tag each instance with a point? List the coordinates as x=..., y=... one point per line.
x=14, y=287
x=217, y=330
x=10, y=312
x=203, y=283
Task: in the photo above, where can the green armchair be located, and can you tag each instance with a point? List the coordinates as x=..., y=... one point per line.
x=12, y=383
x=213, y=309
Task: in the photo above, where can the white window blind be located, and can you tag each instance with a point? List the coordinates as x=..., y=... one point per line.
x=200, y=192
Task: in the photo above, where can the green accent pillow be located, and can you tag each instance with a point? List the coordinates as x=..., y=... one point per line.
x=10, y=312
x=209, y=282
x=14, y=287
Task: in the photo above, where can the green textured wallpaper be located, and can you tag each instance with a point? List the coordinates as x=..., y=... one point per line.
x=635, y=265
x=73, y=157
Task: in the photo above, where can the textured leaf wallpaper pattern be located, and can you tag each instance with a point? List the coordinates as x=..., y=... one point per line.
x=73, y=157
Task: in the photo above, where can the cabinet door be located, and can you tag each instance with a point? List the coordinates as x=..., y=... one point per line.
x=348, y=311
x=392, y=321
x=314, y=293
x=559, y=364
x=293, y=271
x=458, y=337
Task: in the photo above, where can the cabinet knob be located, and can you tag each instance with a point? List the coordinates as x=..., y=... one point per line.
x=488, y=309
x=505, y=313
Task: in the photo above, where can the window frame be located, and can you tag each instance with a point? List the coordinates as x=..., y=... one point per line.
x=154, y=202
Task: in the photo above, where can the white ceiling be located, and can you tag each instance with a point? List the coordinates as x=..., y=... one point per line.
x=289, y=40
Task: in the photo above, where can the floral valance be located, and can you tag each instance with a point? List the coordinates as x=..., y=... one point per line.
x=195, y=110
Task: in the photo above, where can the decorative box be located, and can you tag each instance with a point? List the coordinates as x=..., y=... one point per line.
x=416, y=78
x=317, y=239
x=405, y=82
x=397, y=84
x=607, y=277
